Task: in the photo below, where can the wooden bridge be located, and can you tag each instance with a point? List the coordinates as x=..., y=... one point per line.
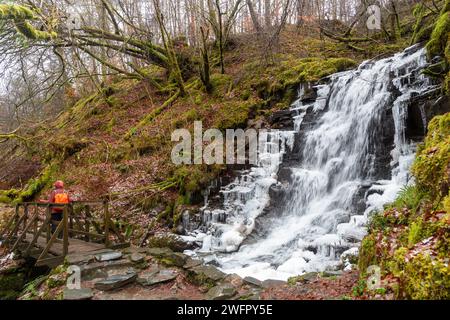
x=85, y=227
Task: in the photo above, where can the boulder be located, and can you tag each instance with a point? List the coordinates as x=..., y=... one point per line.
x=115, y=282
x=221, y=292
x=78, y=294
x=206, y=274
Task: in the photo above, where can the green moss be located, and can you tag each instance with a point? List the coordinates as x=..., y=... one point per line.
x=431, y=165
x=36, y=185
x=422, y=277
x=11, y=284
x=20, y=14
x=367, y=255
x=439, y=36
x=415, y=232
x=14, y=11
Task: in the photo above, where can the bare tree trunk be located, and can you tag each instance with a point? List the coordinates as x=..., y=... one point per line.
x=254, y=17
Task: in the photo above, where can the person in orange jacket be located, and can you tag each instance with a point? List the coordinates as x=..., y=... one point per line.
x=58, y=196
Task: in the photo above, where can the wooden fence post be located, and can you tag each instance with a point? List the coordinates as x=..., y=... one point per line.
x=87, y=213
x=65, y=231
x=25, y=212
x=106, y=209
x=48, y=214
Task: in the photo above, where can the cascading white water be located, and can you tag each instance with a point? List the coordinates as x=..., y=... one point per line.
x=317, y=221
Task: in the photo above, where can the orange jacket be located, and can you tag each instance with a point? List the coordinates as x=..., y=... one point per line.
x=53, y=199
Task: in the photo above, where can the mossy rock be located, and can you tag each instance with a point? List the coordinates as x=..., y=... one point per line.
x=368, y=254
x=205, y=275
x=11, y=284
x=439, y=37
x=431, y=165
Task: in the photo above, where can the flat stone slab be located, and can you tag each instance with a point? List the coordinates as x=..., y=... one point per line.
x=221, y=292
x=307, y=277
x=115, y=282
x=93, y=271
x=273, y=283
x=253, y=281
x=156, y=277
x=158, y=252
x=78, y=294
x=108, y=256
x=77, y=259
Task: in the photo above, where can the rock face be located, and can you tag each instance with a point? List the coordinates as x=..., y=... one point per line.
x=422, y=109
x=221, y=292
x=77, y=294
x=115, y=282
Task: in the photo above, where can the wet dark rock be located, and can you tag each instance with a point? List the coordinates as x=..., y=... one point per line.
x=281, y=120
x=78, y=294
x=422, y=109
x=310, y=95
x=115, y=282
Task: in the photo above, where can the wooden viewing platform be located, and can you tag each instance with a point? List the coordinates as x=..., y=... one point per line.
x=85, y=227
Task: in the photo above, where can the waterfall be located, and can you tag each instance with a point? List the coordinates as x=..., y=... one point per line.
x=356, y=151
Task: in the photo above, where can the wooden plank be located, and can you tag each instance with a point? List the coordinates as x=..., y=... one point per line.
x=52, y=240
x=16, y=228
x=24, y=233
x=46, y=224
x=75, y=246
x=50, y=262
x=65, y=231
x=106, y=222
x=90, y=234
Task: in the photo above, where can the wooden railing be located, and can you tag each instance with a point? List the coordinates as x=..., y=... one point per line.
x=81, y=220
